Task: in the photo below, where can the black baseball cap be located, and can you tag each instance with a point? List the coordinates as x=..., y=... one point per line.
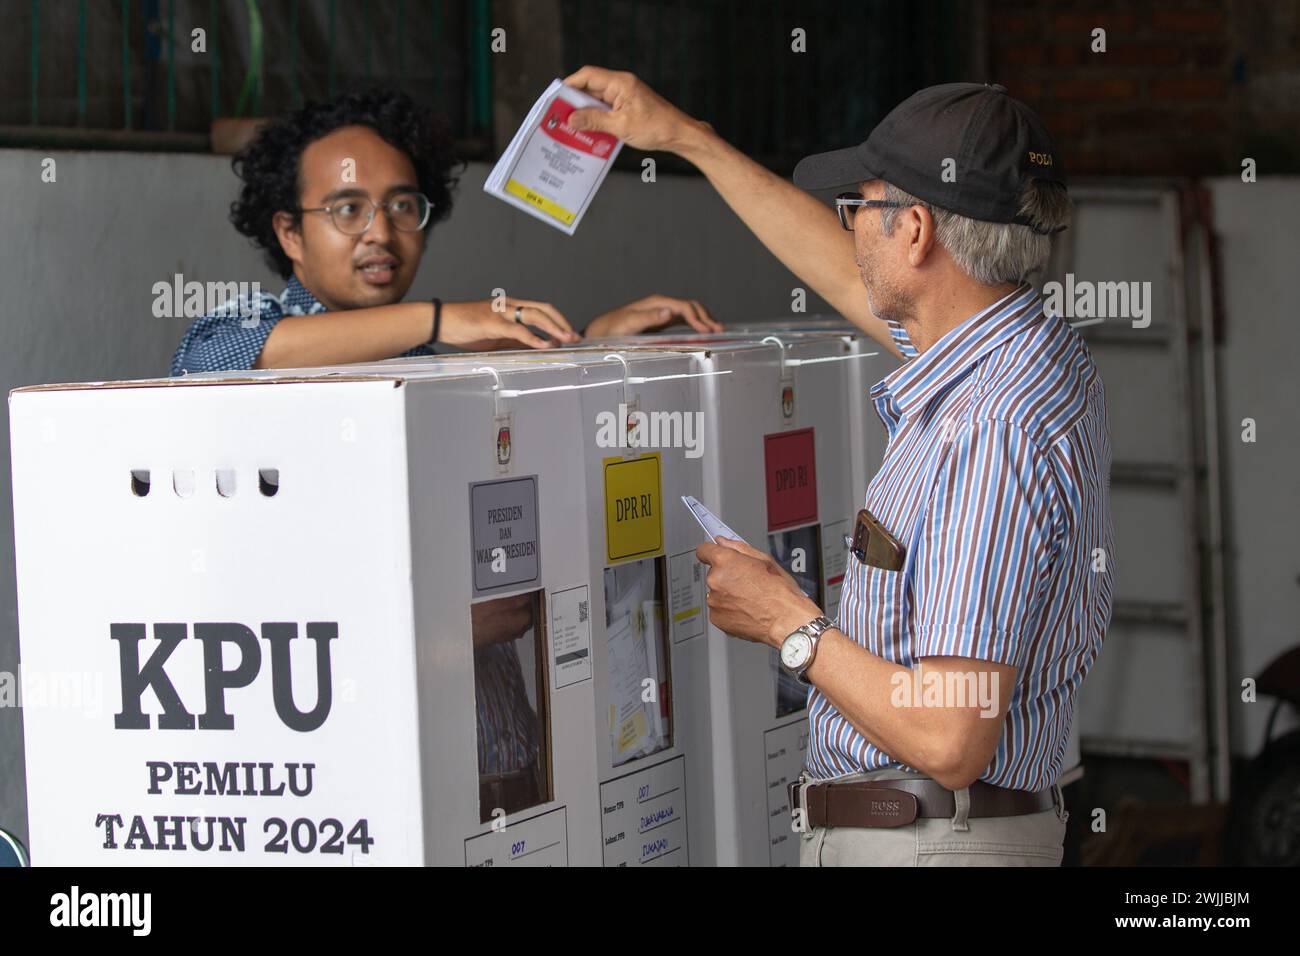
x=995, y=143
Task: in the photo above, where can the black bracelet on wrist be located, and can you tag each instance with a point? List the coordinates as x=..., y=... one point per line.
x=437, y=322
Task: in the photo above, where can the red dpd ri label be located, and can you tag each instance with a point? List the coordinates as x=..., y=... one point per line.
x=790, y=466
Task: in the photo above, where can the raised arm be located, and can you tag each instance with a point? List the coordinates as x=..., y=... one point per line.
x=799, y=230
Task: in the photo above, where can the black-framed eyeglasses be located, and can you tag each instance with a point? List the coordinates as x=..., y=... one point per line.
x=845, y=202
x=847, y=205
x=353, y=215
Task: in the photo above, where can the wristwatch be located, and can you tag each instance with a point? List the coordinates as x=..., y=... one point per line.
x=800, y=647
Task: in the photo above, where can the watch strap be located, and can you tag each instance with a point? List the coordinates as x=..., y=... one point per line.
x=814, y=629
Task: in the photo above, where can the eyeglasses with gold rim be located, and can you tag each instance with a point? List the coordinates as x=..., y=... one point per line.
x=407, y=211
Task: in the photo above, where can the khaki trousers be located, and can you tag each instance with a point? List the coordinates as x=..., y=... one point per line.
x=1031, y=839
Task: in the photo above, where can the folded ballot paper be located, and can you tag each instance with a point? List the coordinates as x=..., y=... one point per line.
x=711, y=523
x=551, y=170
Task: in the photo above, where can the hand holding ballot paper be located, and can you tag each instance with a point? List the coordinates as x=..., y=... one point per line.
x=795, y=225
x=749, y=595
x=551, y=170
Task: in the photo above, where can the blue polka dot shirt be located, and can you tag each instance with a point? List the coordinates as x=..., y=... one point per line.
x=231, y=337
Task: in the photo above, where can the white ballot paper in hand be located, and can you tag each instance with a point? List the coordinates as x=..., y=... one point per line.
x=710, y=522
x=551, y=170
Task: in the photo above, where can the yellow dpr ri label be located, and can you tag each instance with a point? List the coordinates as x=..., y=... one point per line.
x=634, y=524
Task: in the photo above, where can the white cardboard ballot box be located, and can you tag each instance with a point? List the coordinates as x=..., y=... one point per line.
x=641, y=425
x=779, y=469
x=315, y=615
x=645, y=446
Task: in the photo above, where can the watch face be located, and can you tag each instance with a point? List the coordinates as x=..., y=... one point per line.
x=795, y=650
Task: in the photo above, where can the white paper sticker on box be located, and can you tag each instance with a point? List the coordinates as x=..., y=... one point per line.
x=571, y=635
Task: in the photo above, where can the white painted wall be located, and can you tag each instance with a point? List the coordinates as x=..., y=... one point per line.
x=81, y=256
x=1260, y=246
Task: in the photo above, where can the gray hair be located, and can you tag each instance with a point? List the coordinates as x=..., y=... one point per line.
x=993, y=252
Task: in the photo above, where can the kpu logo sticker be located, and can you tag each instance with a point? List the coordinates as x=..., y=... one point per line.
x=503, y=444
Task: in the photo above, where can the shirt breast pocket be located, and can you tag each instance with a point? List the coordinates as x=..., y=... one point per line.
x=874, y=606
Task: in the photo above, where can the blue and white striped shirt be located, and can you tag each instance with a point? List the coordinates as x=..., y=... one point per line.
x=996, y=481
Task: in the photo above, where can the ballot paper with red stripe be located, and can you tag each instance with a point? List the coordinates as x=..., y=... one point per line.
x=551, y=170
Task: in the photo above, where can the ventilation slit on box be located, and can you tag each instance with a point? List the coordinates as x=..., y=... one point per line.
x=268, y=480
x=140, y=482
x=225, y=482
x=183, y=482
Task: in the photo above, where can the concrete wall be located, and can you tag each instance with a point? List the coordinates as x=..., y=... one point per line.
x=82, y=255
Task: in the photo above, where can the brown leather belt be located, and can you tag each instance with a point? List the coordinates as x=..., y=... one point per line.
x=896, y=803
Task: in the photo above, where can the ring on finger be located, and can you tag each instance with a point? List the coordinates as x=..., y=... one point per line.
x=519, y=314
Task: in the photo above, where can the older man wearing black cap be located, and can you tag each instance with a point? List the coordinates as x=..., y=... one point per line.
x=978, y=591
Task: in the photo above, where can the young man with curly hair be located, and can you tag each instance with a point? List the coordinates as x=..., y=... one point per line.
x=340, y=198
